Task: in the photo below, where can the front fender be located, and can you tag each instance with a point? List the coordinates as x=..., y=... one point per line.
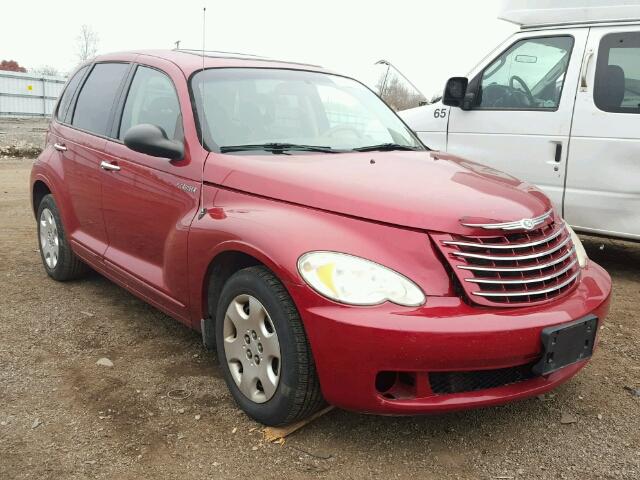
x=277, y=233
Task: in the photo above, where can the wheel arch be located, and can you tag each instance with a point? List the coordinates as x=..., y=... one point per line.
x=228, y=259
x=39, y=190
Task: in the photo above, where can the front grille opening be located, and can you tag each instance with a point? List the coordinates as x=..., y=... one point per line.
x=513, y=269
x=443, y=383
x=396, y=385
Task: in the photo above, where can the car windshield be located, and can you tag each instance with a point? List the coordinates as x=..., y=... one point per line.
x=249, y=109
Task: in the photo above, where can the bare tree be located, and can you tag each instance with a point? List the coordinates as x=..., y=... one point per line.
x=45, y=70
x=397, y=93
x=87, y=43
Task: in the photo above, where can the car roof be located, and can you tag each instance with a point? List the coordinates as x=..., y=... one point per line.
x=191, y=60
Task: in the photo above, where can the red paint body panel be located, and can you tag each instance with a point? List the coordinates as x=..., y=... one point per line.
x=352, y=345
x=411, y=189
x=138, y=228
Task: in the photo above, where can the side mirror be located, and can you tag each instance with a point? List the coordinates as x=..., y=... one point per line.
x=152, y=140
x=455, y=91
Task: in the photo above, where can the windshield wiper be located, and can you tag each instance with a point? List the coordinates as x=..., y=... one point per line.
x=277, y=148
x=385, y=147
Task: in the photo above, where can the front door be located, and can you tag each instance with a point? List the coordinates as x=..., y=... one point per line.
x=149, y=202
x=520, y=119
x=603, y=180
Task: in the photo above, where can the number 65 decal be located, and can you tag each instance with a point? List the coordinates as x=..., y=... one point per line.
x=440, y=112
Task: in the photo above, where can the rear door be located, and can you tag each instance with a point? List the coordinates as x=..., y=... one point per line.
x=80, y=131
x=149, y=202
x=603, y=180
x=520, y=119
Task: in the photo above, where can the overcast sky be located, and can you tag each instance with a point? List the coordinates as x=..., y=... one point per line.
x=428, y=40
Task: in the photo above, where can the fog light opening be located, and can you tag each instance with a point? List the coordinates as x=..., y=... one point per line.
x=385, y=381
x=396, y=385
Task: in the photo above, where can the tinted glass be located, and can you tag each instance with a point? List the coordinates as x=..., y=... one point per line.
x=152, y=99
x=98, y=96
x=617, y=85
x=529, y=75
x=257, y=106
x=69, y=91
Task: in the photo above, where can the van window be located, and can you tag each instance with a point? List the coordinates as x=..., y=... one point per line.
x=68, y=94
x=152, y=99
x=617, y=83
x=529, y=75
x=98, y=96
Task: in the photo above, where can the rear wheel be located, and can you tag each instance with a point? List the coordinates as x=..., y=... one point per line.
x=57, y=257
x=263, y=349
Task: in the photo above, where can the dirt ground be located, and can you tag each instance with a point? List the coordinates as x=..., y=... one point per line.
x=64, y=417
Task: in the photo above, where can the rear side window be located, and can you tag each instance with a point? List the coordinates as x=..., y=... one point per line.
x=98, y=96
x=68, y=94
x=617, y=84
x=152, y=99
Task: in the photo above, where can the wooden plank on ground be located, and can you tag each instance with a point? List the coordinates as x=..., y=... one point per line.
x=278, y=434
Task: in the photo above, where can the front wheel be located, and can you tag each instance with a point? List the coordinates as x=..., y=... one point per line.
x=263, y=349
x=57, y=257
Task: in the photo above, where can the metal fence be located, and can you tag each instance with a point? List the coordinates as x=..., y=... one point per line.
x=28, y=95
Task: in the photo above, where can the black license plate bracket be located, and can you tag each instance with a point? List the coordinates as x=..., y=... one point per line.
x=566, y=344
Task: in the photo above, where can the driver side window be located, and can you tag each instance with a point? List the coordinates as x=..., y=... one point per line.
x=529, y=75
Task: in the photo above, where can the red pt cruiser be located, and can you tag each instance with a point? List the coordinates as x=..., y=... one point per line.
x=290, y=216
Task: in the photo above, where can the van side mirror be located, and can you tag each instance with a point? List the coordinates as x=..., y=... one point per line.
x=152, y=140
x=455, y=91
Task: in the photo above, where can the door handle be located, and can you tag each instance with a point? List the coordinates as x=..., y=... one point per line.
x=109, y=166
x=585, y=71
x=558, y=155
x=60, y=147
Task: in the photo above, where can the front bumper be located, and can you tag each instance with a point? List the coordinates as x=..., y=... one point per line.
x=353, y=345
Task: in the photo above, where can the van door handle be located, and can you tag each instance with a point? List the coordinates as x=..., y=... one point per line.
x=558, y=155
x=60, y=147
x=109, y=166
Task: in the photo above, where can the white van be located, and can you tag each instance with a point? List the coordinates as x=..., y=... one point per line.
x=557, y=104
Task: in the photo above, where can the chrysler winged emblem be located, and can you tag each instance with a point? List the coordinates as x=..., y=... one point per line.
x=524, y=224
x=527, y=223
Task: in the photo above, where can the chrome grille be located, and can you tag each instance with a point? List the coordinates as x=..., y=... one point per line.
x=513, y=268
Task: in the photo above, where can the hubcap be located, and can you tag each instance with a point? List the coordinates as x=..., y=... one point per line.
x=49, y=240
x=252, y=348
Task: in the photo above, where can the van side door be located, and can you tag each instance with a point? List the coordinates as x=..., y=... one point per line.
x=603, y=180
x=520, y=117
x=149, y=202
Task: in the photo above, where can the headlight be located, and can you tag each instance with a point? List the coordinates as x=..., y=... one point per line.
x=356, y=281
x=580, y=251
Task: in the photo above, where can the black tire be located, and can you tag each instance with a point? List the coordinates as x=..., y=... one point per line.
x=68, y=266
x=298, y=392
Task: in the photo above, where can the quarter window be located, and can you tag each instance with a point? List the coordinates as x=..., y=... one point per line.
x=529, y=75
x=152, y=99
x=68, y=94
x=98, y=96
x=617, y=83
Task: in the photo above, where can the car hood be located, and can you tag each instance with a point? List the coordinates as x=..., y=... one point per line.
x=423, y=190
